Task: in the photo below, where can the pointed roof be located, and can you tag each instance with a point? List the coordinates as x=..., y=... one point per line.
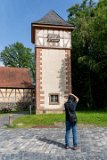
x=52, y=18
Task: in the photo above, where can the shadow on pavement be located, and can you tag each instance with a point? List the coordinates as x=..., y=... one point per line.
x=49, y=141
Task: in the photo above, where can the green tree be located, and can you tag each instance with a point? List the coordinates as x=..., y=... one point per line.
x=89, y=51
x=100, y=50
x=17, y=55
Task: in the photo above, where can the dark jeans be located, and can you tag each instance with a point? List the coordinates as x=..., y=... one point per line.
x=70, y=126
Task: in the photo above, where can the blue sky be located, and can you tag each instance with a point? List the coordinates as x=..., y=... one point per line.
x=16, y=17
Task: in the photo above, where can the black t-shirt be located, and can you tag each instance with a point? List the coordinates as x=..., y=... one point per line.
x=72, y=107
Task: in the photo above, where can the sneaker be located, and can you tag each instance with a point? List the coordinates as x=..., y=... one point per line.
x=75, y=148
x=67, y=147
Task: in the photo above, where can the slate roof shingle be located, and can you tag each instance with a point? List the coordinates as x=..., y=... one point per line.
x=11, y=77
x=52, y=18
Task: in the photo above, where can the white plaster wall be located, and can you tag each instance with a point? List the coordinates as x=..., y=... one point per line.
x=15, y=95
x=53, y=75
x=41, y=38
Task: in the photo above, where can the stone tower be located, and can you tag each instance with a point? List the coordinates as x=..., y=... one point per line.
x=51, y=36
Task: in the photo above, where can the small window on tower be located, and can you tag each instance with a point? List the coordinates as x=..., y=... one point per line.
x=54, y=99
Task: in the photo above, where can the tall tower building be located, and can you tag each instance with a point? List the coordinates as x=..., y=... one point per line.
x=51, y=36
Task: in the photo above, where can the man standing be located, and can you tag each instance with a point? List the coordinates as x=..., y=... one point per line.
x=71, y=120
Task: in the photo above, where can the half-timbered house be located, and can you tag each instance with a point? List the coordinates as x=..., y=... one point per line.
x=16, y=88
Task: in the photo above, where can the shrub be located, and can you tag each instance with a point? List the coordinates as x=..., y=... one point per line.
x=6, y=110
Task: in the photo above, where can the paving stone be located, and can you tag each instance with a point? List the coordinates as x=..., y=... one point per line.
x=45, y=144
x=48, y=144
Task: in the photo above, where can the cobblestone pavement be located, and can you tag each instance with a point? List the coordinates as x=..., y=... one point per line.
x=48, y=144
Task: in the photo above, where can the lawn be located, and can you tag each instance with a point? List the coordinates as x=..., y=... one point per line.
x=95, y=118
x=38, y=120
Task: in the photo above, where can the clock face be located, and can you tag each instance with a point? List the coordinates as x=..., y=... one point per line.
x=53, y=38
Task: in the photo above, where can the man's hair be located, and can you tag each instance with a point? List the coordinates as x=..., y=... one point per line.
x=71, y=98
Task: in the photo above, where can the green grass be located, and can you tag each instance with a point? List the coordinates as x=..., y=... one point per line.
x=95, y=118
x=38, y=120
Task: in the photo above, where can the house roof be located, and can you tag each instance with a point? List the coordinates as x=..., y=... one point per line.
x=11, y=77
x=52, y=18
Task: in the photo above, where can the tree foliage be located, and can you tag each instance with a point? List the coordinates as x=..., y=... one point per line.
x=17, y=55
x=89, y=52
